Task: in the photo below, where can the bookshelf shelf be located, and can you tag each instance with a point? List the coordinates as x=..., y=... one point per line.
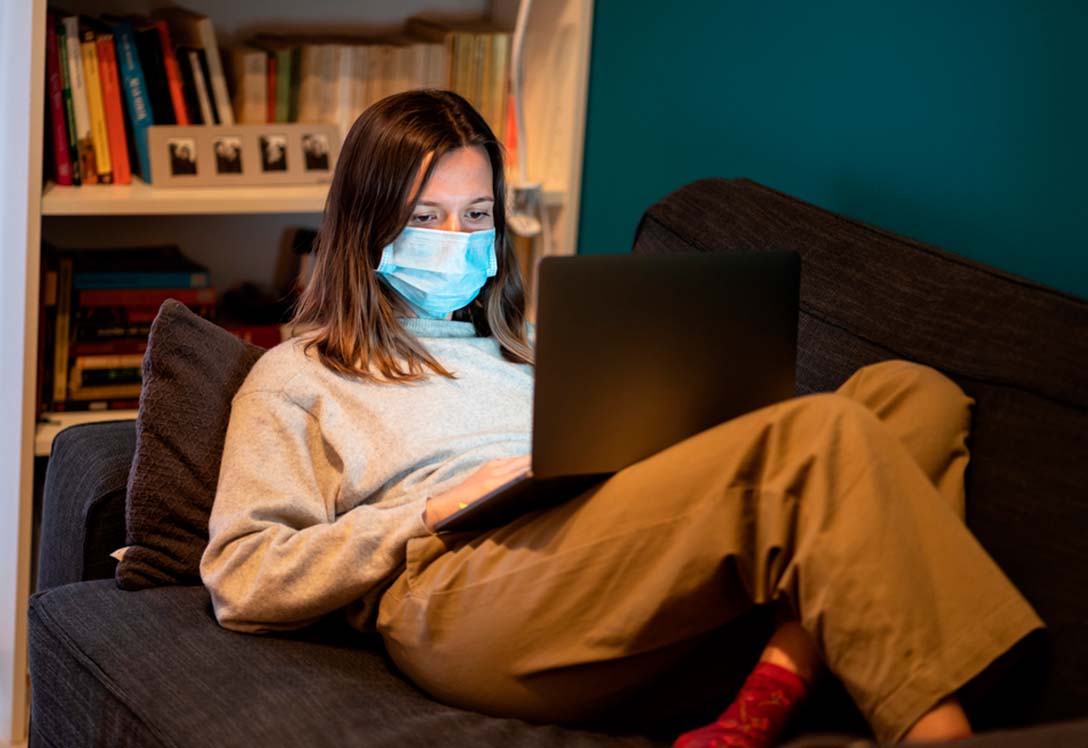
x=52, y=424
x=140, y=198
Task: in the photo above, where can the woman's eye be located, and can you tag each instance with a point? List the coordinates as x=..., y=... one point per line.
x=424, y=218
x=477, y=215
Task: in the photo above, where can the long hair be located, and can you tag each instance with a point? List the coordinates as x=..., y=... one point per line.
x=352, y=315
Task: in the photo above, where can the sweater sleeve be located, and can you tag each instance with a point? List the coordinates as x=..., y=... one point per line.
x=278, y=557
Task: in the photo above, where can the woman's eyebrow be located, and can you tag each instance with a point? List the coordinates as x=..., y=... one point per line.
x=432, y=204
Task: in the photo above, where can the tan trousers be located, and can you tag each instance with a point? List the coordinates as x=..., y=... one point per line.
x=845, y=509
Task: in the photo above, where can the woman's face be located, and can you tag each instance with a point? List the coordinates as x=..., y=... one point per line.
x=459, y=194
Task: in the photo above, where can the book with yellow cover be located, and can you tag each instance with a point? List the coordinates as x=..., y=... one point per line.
x=100, y=137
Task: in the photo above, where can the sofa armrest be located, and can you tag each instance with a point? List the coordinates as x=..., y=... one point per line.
x=83, y=502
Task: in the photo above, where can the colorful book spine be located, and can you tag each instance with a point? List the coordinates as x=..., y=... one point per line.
x=132, y=81
x=69, y=110
x=115, y=117
x=100, y=136
x=87, y=170
x=57, y=115
x=173, y=73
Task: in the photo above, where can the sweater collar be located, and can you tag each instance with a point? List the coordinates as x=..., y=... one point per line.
x=438, y=328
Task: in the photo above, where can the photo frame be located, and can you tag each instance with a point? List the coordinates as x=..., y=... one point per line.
x=244, y=155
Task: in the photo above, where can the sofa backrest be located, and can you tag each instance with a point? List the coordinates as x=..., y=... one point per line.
x=1019, y=349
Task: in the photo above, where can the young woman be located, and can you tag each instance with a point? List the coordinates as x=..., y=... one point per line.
x=409, y=396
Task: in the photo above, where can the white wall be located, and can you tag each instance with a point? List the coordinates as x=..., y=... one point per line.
x=21, y=29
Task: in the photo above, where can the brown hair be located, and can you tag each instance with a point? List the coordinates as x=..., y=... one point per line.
x=354, y=315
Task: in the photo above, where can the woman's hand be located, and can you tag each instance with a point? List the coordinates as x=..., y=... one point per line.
x=483, y=481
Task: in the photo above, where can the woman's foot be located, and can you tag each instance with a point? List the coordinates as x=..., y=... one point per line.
x=757, y=716
x=768, y=697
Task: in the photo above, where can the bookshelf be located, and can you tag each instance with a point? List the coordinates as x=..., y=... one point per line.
x=232, y=230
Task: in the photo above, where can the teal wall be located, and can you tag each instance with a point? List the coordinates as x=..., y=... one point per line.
x=963, y=124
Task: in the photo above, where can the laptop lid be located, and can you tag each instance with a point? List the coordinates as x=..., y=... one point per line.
x=635, y=353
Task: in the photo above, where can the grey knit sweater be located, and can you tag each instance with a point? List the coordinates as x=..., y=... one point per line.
x=324, y=478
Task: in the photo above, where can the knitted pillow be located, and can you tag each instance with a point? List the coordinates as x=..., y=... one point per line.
x=191, y=370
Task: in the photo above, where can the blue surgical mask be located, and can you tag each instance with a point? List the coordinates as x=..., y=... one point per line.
x=438, y=272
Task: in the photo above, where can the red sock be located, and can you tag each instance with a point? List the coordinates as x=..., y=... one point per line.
x=757, y=716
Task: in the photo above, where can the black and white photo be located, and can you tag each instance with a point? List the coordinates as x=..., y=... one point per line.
x=273, y=152
x=182, y=156
x=228, y=155
x=315, y=151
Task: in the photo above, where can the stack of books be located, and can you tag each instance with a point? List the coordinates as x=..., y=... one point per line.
x=110, y=78
x=96, y=311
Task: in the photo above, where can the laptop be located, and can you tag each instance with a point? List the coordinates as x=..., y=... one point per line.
x=635, y=353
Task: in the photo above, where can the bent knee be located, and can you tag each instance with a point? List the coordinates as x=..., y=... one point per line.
x=892, y=382
x=831, y=407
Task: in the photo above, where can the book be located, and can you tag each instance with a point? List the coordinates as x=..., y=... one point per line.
x=249, y=67
x=103, y=392
x=62, y=329
x=58, y=120
x=100, y=138
x=47, y=313
x=112, y=346
x=69, y=109
x=200, y=85
x=115, y=116
x=191, y=29
x=263, y=335
x=103, y=371
x=271, y=75
x=136, y=97
x=318, y=72
x=111, y=325
x=137, y=268
x=283, y=58
x=343, y=95
x=188, y=88
x=146, y=297
x=153, y=64
x=84, y=145
x=97, y=405
x=478, y=60
x=173, y=73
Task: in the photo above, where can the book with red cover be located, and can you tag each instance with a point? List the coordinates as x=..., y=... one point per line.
x=173, y=72
x=146, y=297
x=111, y=102
x=58, y=116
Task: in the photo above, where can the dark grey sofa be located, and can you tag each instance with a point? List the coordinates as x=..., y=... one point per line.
x=152, y=668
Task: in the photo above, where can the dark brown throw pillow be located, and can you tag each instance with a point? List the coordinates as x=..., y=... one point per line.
x=191, y=370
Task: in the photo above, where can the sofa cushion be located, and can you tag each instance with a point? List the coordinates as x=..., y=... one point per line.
x=1016, y=347
x=191, y=370
x=152, y=667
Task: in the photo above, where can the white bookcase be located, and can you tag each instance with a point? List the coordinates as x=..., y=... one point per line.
x=234, y=231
